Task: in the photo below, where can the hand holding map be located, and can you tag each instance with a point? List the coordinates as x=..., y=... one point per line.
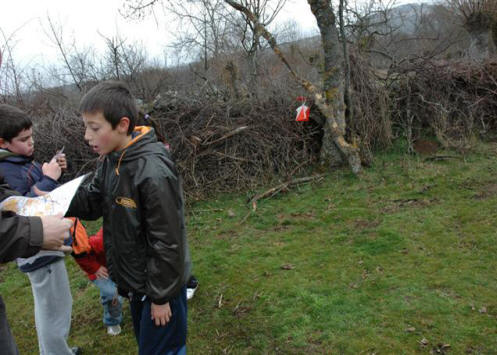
x=51, y=207
x=52, y=203
x=54, y=232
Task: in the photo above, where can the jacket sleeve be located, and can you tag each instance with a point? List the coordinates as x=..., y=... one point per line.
x=46, y=184
x=97, y=242
x=88, y=263
x=87, y=202
x=164, y=237
x=24, y=182
x=20, y=237
x=17, y=181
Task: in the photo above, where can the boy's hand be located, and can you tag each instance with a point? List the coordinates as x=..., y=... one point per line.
x=51, y=169
x=160, y=313
x=61, y=160
x=102, y=273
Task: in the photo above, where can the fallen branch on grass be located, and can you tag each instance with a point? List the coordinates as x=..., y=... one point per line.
x=277, y=189
x=442, y=157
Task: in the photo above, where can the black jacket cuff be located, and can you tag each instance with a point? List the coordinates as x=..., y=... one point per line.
x=35, y=232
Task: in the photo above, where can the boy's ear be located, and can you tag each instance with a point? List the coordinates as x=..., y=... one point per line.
x=3, y=143
x=123, y=125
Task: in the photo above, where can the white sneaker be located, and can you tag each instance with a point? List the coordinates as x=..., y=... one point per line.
x=114, y=329
x=190, y=292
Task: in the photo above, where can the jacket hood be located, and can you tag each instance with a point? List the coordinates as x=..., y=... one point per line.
x=7, y=155
x=144, y=142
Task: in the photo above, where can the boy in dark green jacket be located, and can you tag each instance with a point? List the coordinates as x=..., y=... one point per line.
x=137, y=191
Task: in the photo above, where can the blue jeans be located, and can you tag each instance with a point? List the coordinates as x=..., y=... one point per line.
x=111, y=301
x=160, y=340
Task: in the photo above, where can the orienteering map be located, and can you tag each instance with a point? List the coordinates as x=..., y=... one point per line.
x=55, y=202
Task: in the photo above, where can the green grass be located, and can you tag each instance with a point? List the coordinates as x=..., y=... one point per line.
x=347, y=265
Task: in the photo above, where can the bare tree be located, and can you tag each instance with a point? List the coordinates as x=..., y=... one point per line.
x=122, y=60
x=11, y=76
x=56, y=35
x=212, y=30
x=479, y=17
x=203, y=27
x=128, y=62
x=330, y=99
x=390, y=35
x=113, y=56
x=264, y=11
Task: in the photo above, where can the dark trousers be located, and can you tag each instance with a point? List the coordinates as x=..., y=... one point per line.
x=160, y=340
x=7, y=343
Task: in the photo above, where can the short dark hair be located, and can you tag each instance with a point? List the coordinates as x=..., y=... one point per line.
x=13, y=121
x=114, y=100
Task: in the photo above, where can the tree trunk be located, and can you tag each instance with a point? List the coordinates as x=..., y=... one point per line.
x=206, y=63
x=254, y=65
x=334, y=148
x=349, y=113
x=493, y=29
x=479, y=25
x=481, y=46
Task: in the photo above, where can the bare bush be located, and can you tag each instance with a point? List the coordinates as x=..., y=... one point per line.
x=63, y=128
x=370, y=125
x=453, y=101
x=223, y=146
x=479, y=17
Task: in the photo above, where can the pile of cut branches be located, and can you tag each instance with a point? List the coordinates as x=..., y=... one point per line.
x=225, y=146
x=217, y=145
x=221, y=144
x=453, y=100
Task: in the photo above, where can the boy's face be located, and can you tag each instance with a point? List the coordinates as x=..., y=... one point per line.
x=100, y=135
x=22, y=144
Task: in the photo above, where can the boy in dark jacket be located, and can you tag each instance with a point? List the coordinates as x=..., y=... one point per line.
x=46, y=270
x=136, y=189
x=95, y=266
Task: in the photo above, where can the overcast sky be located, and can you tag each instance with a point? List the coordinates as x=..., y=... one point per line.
x=86, y=21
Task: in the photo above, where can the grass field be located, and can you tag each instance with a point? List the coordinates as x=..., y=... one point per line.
x=401, y=260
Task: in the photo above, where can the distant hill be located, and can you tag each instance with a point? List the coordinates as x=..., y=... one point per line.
x=405, y=18
x=408, y=17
